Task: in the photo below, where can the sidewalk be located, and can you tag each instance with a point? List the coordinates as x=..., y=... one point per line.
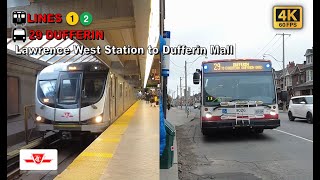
x=176, y=117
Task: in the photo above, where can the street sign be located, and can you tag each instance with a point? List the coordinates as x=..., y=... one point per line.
x=166, y=58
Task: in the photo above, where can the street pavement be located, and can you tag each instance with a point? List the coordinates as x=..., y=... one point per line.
x=283, y=153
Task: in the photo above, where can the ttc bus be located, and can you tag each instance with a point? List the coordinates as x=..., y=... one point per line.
x=237, y=93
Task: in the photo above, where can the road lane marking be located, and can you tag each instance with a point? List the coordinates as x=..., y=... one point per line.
x=293, y=135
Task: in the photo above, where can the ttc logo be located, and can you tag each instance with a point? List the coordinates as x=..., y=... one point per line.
x=38, y=159
x=67, y=115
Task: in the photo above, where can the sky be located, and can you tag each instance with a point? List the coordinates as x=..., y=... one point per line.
x=246, y=23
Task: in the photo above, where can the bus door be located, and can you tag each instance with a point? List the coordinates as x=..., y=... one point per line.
x=68, y=97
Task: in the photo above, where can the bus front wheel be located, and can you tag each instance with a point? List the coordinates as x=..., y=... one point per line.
x=259, y=130
x=205, y=132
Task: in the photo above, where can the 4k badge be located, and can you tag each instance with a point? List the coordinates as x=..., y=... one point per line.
x=287, y=17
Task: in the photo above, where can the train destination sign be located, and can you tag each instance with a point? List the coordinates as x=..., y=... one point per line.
x=236, y=66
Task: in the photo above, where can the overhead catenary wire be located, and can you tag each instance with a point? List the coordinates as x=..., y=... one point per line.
x=176, y=65
x=265, y=46
x=272, y=45
x=278, y=45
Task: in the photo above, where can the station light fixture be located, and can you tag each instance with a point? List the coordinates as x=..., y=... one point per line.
x=72, y=68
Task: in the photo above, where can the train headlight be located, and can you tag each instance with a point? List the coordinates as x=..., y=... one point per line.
x=208, y=115
x=98, y=119
x=46, y=100
x=38, y=118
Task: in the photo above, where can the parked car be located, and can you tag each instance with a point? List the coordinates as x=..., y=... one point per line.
x=301, y=107
x=196, y=105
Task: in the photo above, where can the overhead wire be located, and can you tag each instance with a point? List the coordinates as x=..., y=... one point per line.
x=272, y=45
x=265, y=46
x=176, y=65
x=279, y=45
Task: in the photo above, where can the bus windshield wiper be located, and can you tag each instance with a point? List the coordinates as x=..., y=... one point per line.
x=266, y=105
x=219, y=105
x=232, y=100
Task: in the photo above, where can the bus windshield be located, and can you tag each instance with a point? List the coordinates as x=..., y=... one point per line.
x=249, y=86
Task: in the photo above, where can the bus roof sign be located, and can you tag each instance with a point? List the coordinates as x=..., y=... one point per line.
x=236, y=66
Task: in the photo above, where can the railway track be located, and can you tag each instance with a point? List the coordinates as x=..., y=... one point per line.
x=13, y=156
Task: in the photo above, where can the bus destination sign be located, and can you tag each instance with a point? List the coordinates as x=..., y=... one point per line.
x=236, y=66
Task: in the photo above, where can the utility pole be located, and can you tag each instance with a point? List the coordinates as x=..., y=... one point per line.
x=186, y=85
x=180, y=93
x=283, y=68
x=177, y=90
x=165, y=78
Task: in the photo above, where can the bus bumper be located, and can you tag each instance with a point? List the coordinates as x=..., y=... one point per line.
x=231, y=124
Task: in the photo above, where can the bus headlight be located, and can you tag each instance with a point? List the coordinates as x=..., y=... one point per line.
x=38, y=118
x=98, y=119
x=272, y=113
x=208, y=115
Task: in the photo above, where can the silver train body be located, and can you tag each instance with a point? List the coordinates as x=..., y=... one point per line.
x=80, y=97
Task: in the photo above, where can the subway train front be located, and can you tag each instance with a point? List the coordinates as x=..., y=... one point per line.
x=80, y=97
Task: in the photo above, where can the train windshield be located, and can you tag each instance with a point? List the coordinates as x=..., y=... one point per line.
x=73, y=88
x=68, y=91
x=46, y=92
x=252, y=86
x=92, y=90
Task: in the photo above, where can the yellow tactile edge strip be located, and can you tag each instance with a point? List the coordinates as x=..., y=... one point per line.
x=93, y=161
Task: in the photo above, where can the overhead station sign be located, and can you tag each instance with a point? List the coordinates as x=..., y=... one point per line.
x=236, y=66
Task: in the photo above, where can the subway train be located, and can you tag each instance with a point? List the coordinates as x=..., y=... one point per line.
x=73, y=98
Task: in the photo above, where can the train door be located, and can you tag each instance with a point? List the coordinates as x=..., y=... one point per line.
x=68, y=97
x=115, y=96
x=123, y=102
x=112, y=104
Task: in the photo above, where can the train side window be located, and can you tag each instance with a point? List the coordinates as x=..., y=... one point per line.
x=120, y=88
x=13, y=97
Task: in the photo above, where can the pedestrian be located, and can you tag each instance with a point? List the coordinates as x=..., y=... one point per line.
x=151, y=99
x=156, y=99
x=147, y=98
x=168, y=102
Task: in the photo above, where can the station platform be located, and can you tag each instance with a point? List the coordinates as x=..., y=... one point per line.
x=128, y=149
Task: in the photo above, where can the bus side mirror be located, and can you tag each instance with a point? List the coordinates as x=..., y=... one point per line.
x=196, y=78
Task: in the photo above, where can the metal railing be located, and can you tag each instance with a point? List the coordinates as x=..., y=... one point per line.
x=29, y=112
